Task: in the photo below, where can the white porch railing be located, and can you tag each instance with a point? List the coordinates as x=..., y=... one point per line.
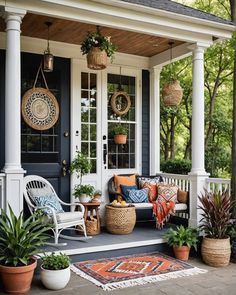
x=2, y=191
x=218, y=184
x=182, y=181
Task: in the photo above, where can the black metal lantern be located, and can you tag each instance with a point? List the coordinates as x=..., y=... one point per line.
x=48, y=58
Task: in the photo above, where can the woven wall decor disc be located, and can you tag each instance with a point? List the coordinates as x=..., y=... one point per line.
x=40, y=108
x=120, y=107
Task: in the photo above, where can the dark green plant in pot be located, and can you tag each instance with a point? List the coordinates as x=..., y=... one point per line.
x=120, y=129
x=55, y=261
x=81, y=189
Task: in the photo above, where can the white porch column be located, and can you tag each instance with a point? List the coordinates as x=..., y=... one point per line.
x=13, y=170
x=155, y=120
x=198, y=174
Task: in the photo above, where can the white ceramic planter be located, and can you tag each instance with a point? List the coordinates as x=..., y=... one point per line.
x=84, y=198
x=55, y=279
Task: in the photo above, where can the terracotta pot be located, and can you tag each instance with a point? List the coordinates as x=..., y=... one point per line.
x=216, y=252
x=97, y=59
x=120, y=139
x=181, y=252
x=17, y=279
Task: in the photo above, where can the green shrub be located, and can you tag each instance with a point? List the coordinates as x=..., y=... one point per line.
x=176, y=166
x=81, y=189
x=55, y=262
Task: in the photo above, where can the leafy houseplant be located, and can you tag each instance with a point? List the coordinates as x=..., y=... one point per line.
x=120, y=134
x=19, y=240
x=84, y=192
x=216, y=219
x=80, y=165
x=182, y=239
x=98, y=48
x=55, y=271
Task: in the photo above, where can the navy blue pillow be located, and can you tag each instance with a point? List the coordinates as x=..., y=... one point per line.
x=125, y=188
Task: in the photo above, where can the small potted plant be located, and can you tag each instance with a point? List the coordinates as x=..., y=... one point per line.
x=182, y=239
x=216, y=220
x=84, y=192
x=20, y=240
x=120, y=134
x=55, y=271
x=97, y=196
x=98, y=48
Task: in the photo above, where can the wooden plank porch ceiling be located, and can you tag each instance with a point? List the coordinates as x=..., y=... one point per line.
x=74, y=32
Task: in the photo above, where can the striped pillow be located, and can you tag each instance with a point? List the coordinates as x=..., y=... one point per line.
x=138, y=196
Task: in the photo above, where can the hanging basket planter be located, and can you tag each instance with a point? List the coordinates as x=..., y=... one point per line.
x=120, y=139
x=97, y=59
x=172, y=93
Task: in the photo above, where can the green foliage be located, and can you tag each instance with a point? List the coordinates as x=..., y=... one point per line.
x=20, y=239
x=182, y=236
x=81, y=165
x=97, y=192
x=176, y=166
x=120, y=129
x=81, y=189
x=216, y=213
x=95, y=39
x=55, y=262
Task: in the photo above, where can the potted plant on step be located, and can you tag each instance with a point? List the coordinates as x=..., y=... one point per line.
x=216, y=219
x=55, y=271
x=83, y=192
x=120, y=134
x=19, y=240
x=98, y=48
x=182, y=239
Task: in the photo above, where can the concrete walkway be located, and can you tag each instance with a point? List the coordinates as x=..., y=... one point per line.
x=216, y=281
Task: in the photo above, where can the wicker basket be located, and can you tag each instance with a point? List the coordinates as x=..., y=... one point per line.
x=120, y=220
x=97, y=59
x=92, y=226
x=172, y=93
x=216, y=252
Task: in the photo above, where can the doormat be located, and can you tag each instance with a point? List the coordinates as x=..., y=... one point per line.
x=127, y=271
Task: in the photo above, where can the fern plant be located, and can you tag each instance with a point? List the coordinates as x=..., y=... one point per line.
x=20, y=239
x=216, y=213
x=182, y=236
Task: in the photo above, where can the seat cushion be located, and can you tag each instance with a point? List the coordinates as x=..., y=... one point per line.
x=124, y=180
x=68, y=216
x=178, y=206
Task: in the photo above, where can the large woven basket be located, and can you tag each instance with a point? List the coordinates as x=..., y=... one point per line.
x=92, y=226
x=216, y=252
x=97, y=59
x=172, y=93
x=120, y=220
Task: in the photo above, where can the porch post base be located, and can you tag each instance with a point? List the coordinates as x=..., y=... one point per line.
x=198, y=183
x=14, y=190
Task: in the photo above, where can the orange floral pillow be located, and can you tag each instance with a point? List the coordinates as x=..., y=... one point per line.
x=124, y=180
x=152, y=191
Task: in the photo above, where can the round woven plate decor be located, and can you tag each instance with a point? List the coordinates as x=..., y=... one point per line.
x=40, y=108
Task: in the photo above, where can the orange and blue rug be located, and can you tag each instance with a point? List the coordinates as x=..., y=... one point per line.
x=127, y=271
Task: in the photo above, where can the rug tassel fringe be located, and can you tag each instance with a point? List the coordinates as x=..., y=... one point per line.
x=140, y=281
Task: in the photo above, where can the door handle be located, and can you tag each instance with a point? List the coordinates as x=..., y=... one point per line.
x=104, y=153
x=64, y=168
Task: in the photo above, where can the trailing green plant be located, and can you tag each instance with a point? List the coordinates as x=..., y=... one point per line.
x=81, y=189
x=216, y=213
x=55, y=262
x=20, y=239
x=96, y=39
x=120, y=129
x=182, y=236
x=80, y=165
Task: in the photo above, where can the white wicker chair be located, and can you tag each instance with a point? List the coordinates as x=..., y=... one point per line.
x=60, y=221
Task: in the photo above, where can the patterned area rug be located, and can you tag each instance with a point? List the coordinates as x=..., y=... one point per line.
x=126, y=271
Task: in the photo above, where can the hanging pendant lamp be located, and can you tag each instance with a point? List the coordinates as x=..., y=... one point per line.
x=48, y=58
x=172, y=92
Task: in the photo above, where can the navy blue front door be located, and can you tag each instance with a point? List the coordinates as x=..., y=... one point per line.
x=47, y=153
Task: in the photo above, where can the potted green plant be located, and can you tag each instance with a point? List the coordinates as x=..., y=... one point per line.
x=182, y=239
x=80, y=165
x=83, y=192
x=19, y=240
x=120, y=134
x=216, y=219
x=55, y=271
x=98, y=48
x=97, y=196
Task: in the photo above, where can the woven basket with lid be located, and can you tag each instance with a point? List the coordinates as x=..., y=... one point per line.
x=172, y=93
